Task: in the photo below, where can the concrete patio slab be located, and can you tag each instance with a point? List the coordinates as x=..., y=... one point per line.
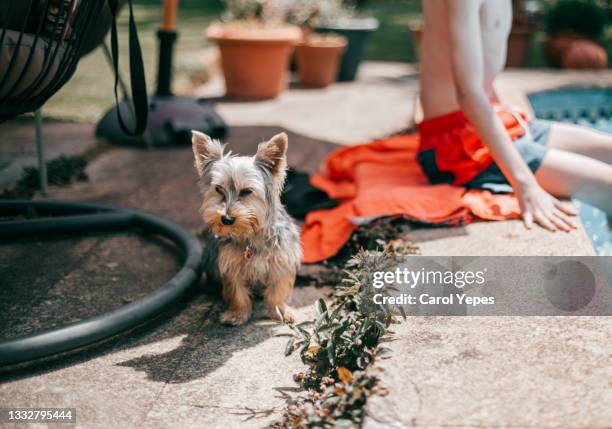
x=188, y=369
x=379, y=103
x=475, y=372
x=509, y=238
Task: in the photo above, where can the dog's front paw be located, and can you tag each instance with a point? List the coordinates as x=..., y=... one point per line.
x=234, y=318
x=286, y=311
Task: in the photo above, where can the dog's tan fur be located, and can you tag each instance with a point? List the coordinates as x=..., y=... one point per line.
x=261, y=247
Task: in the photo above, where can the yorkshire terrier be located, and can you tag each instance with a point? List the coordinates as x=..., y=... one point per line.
x=252, y=244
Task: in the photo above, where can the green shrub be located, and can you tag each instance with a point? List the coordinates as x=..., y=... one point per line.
x=340, y=346
x=584, y=17
x=61, y=171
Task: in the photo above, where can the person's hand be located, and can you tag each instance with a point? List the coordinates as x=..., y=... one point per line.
x=548, y=212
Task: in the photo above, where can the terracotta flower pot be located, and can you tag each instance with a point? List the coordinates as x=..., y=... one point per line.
x=318, y=59
x=518, y=45
x=357, y=31
x=557, y=44
x=585, y=54
x=255, y=58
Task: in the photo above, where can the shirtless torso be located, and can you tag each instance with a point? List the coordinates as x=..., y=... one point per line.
x=438, y=95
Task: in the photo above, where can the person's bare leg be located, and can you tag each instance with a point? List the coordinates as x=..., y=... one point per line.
x=566, y=174
x=582, y=140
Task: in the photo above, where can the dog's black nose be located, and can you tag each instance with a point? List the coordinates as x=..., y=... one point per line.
x=228, y=220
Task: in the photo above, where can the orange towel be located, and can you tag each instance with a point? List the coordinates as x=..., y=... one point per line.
x=383, y=178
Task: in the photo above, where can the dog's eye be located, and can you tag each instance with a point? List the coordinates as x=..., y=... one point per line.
x=245, y=192
x=219, y=190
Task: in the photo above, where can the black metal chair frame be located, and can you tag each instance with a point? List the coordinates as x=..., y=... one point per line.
x=65, y=50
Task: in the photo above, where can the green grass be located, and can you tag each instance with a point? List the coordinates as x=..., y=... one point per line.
x=393, y=41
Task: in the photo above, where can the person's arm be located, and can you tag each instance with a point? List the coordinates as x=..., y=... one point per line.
x=468, y=71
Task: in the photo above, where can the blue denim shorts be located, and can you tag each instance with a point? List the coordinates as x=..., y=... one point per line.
x=532, y=147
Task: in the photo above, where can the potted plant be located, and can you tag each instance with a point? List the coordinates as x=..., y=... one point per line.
x=318, y=58
x=584, y=54
x=255, y=45
x=569, y=20
x=523, y=28
x=336, y=16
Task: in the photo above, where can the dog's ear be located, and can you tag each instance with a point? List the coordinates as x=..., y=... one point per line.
x=272, y=155
x=205, y=150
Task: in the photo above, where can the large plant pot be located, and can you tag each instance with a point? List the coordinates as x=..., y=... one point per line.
x=518, y=46
x=318, y=60
x=255, y=59
x=557, y=44
x=357, y=32
x=585, y=54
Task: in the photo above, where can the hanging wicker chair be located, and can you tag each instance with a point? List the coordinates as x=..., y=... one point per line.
x=41, y=42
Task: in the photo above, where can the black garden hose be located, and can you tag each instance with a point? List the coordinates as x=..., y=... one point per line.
x=83, y=217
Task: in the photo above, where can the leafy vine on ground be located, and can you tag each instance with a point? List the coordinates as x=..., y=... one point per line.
x=341, y=344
